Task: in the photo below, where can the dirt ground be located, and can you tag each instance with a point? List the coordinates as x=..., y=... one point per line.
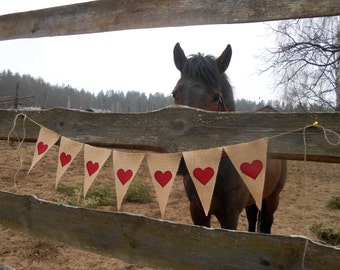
x=309, y=187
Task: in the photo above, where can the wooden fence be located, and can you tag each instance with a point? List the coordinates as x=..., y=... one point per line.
x=179, y=128
x=161, y=244
x=137, y=239
x=108, y=15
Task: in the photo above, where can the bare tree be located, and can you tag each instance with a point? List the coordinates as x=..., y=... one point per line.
x=306, y=61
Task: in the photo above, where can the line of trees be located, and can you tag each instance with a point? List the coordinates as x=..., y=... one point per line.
x=40, y=94
x=26, y=91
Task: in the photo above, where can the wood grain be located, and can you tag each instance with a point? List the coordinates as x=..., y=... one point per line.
x=178, y=129
x=161, y=244
x=108, y=15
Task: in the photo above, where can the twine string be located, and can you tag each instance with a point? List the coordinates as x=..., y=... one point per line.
x=304, y=255
x=20, y=143
x=304, y=129
x=19, y=149
x=23, y=126
x=14, y=125
x=325, y=134
x=325, y=130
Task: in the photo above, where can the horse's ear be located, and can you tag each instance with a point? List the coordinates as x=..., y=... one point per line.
x=224, y=59
x=179, y=57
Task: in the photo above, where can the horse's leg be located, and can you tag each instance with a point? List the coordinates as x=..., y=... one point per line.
x=271, y=203
x=229, y=213
x=269, y=206
x=252, y=213
x=229, y=200
x=199, y=217
x=229, y=221
x=196, y=209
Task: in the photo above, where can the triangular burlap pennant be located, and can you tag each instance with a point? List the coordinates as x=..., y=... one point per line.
x=250, y=161
x=163, y=169
x=125, y=167
x=203, y=169
x=46, y=139
x=94, y=159
x=68, y=150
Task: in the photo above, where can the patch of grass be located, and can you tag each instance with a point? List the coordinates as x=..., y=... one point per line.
x=334, y=203
x=99, y=195
x=71, y=194
x=327, y=233
x=138, y=192
x=67, y=190
x=102, y=195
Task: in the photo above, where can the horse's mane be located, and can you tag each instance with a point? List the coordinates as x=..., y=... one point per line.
x=204, y=68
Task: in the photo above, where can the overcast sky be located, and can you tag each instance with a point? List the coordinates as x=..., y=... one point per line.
x=140, y=60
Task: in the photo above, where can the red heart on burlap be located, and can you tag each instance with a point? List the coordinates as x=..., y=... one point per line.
x=252, y=169
x=65, y=159
x=124, y=176
x=42, y=148
x=92, y=167
x=204, y=176
x=163, y=178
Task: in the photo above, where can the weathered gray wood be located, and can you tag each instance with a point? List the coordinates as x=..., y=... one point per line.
x=111, y=15
x=161, y=244
x=177, y=129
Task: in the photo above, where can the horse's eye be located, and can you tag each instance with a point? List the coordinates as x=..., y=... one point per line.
x=173, y=94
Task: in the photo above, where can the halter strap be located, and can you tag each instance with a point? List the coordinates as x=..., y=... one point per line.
x=221, y=105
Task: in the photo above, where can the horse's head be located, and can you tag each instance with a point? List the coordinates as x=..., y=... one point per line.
x=203, y=83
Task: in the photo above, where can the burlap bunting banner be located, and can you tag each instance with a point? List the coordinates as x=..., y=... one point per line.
x=163, y=169
x=250, y=161
x=68, y=150
x=94, y=159
x=203, y=168
x=125, y=167
x=46, y=139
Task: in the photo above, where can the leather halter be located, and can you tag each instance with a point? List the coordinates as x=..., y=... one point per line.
x=221, y=105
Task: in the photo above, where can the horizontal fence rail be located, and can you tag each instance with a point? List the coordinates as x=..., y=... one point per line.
x=161, y=244
x=179, y=128
x=108, y=15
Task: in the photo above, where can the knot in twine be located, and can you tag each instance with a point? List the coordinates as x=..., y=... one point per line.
x=324, y=130
x=315, y=124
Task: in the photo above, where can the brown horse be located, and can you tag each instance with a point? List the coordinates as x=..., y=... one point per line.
x=203, y=84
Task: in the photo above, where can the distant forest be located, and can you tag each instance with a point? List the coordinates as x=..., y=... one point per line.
x=25, y=91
